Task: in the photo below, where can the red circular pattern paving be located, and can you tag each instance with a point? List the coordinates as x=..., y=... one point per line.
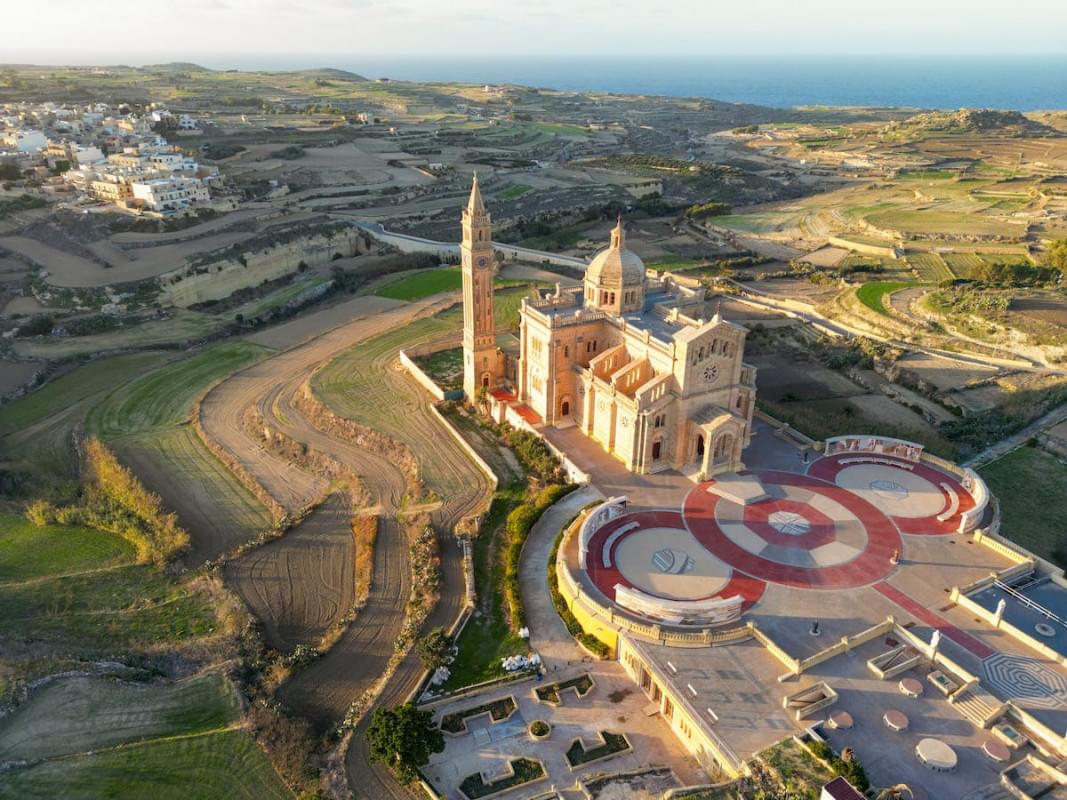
x=750, y=572
x=828, y=467
x=872, y=565
x=757, y=518
x=605, y=577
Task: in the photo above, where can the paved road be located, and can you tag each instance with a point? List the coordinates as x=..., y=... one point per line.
x=548, y=634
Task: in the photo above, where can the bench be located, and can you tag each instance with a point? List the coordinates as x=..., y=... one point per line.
x=875, y=460
x=953, y=503
x=605, y=553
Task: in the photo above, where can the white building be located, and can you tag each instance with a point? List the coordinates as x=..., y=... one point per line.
x=170, y=194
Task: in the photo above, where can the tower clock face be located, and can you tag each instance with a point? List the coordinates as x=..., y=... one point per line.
x=482, y=261
x=711, y=372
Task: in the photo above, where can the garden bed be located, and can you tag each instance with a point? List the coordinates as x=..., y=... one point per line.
x=497, y=710
x=552, y=692
x=579, y=755
x=522, y=771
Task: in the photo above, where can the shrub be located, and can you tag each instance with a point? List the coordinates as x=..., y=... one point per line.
x=517, y=527
x=574, y=628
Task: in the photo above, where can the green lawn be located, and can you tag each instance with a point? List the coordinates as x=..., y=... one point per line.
x=27, y=551
x=226, y=765
x=163, y=397
x=1026, y=482
x=873, y=295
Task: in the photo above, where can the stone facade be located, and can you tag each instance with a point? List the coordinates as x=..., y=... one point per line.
x=627, y=358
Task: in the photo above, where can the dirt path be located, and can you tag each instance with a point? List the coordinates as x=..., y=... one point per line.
x=300, y=585
x=222, y=411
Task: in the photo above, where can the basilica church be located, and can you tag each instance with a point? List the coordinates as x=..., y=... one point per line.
x=628, y=358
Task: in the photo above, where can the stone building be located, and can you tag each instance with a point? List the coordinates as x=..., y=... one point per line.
x=628, y=358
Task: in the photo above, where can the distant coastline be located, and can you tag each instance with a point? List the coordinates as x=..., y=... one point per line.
x=1020, y=83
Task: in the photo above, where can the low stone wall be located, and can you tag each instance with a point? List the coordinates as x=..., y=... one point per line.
x=421, y=377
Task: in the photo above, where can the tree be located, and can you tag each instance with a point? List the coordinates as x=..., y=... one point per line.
x=404, y=738
x=435, y=649
x=1057, y=255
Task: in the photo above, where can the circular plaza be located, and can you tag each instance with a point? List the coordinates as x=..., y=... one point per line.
x=838, y=523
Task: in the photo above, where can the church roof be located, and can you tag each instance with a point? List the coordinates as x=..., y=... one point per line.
x=616, y=265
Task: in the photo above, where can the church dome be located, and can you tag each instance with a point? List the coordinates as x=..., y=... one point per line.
x=615, y=265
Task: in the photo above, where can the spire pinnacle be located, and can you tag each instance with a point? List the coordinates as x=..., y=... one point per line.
x=475, y=205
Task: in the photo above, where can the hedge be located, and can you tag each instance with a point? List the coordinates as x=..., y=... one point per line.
x=516, y=528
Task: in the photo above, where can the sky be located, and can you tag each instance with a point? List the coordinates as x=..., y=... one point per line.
x=294, y=33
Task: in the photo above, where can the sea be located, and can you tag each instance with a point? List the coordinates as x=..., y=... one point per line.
x=1021, y=83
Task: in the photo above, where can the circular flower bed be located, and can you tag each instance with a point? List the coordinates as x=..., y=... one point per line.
x=539, y=729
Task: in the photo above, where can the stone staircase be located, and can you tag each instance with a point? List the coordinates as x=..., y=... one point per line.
x=976, y=706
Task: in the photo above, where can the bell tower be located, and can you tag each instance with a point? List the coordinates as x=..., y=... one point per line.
x=481, y=360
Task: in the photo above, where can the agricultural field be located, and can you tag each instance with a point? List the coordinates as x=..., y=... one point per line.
x=180, y=327
x=1021, y=480
x=223, y=765
x=36, y=430
x=930, y=267
x=164, y=397
x=211, y=503
x=300, y=585
x=78, y=714
x=423, y=284
x=28, y=551
x=920, y=222
x=873, y=295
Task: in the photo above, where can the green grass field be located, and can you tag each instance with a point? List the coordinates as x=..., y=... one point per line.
x=80, y=714
x=27, y=551
x=127, y=608
x=164, y=396
x=873, y=294
x=1024, y=481
x=423, y=284
x=80, y=384
x=514, y=192
x=930, y=267
x=183, y=326
x=916, y=221
x=225, y=765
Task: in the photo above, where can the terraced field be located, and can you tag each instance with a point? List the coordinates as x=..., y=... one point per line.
x=224, y=765
x=930, y=267
x=165, y=396
x=80, y=713
x=366, y=384
x=37, y=429
x=211, y=503
x=300, y=585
